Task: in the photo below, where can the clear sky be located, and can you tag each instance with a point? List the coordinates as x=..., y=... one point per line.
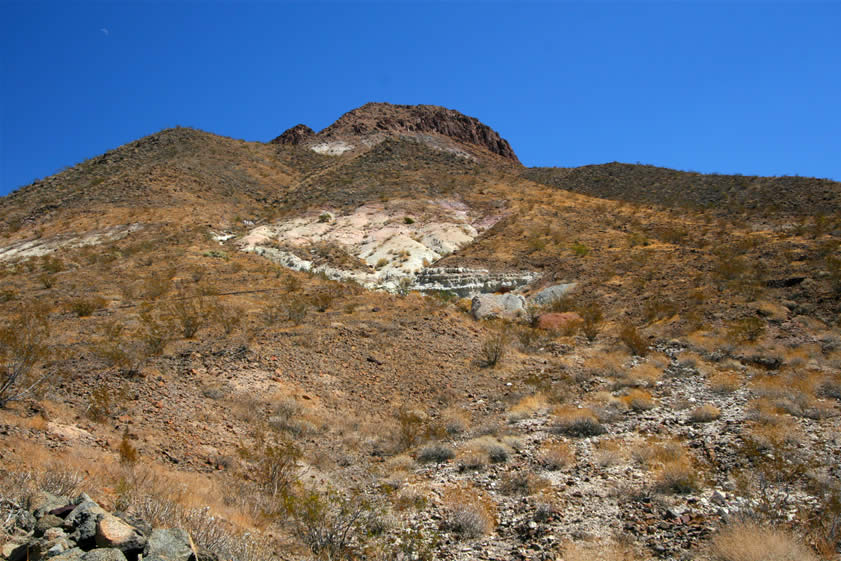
x=751, y=88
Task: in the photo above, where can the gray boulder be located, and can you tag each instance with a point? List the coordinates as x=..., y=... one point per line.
x=504, y=306
x=74, y=554
x=104, y=554
x=172, y=544
x=551, y=293
x=82, y=522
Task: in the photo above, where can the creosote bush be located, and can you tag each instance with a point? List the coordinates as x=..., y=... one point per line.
x=630, y=335
x=493, y=348
x=23, y=345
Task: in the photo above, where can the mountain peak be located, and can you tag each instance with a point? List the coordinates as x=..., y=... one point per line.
x=376, y=120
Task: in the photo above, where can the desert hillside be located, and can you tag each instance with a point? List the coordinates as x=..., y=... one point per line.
x=390, y=340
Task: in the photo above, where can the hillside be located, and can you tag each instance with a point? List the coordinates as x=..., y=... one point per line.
x=415, y=348
x=724, y=194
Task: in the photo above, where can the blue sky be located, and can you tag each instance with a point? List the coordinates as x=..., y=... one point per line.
x=751, y=88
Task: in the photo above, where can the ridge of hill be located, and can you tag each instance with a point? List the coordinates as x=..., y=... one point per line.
x=726, y=194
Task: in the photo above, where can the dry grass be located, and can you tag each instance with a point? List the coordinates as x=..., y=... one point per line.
x=724, y=382
x=611, y=452
x=638, y=400
x=752, y=542
x=556, y=455
x=704, y=414
x=470, y=512
x=528, y=406
x=573, y=421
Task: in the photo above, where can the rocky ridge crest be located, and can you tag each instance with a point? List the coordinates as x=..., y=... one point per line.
x=374, y=120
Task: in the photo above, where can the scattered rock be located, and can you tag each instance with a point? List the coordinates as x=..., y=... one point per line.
x=113, y=532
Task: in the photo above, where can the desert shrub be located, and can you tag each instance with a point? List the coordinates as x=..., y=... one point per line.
x=630, y=335
x=51, y=264
x=523, y=483
x=381, y=262
x=324, y=217
x=493, y=348
x=47, y=280
x=591, y=315
x=189, y=313
x=638, y=400
x=497, y=452
x=274, y=463
x=328, y=522
x=435, y=452
x=228, y=317
x=746, y=330
x=473, y=460
x=322, y=299
x=84, y=307
x=60, y=480
x=470, y=512
x=127, y=451
x=704, y=414
x=455, y=421
x=156, y=286
x=747, y=541
x=576, y=422
x=408, y=220
x=411, y=427
x=556, y=456
x=579, y=249
x=677, y=477
x=23, y=345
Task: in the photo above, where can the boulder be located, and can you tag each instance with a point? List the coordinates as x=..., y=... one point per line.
x=46, y=522
x=504, y=306
x=104, y=554
x=172, y=544
x=82, y=522
x=74, y=554
x=559, y=321
x=551, y=293
x=42, y=502
x=113, y=532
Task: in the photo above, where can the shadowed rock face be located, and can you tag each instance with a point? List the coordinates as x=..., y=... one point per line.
x=386, y=119
x=296, y=135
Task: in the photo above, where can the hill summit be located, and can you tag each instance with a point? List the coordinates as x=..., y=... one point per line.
x=374, y=122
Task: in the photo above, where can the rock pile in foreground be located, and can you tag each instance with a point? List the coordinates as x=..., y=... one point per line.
x=61, y=529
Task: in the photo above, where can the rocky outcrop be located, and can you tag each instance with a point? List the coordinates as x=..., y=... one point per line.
x=61, y=529
x=384, y=119
x=466, y=282
x=498, y=306
x=296, y=135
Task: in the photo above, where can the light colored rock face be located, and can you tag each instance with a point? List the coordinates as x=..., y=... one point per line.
x=45, y=246
x=551, y=293
x=113, y=532
x=503, y=306
x=332, y=148
x=397, y=241
x=467, y=282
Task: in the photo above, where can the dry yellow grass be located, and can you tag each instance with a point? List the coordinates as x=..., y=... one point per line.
x=638, y=400
x=556, y=455
x=705, y=413
x=724, y=382
x=752, y=542
x=528, y=406
x=603, y=550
